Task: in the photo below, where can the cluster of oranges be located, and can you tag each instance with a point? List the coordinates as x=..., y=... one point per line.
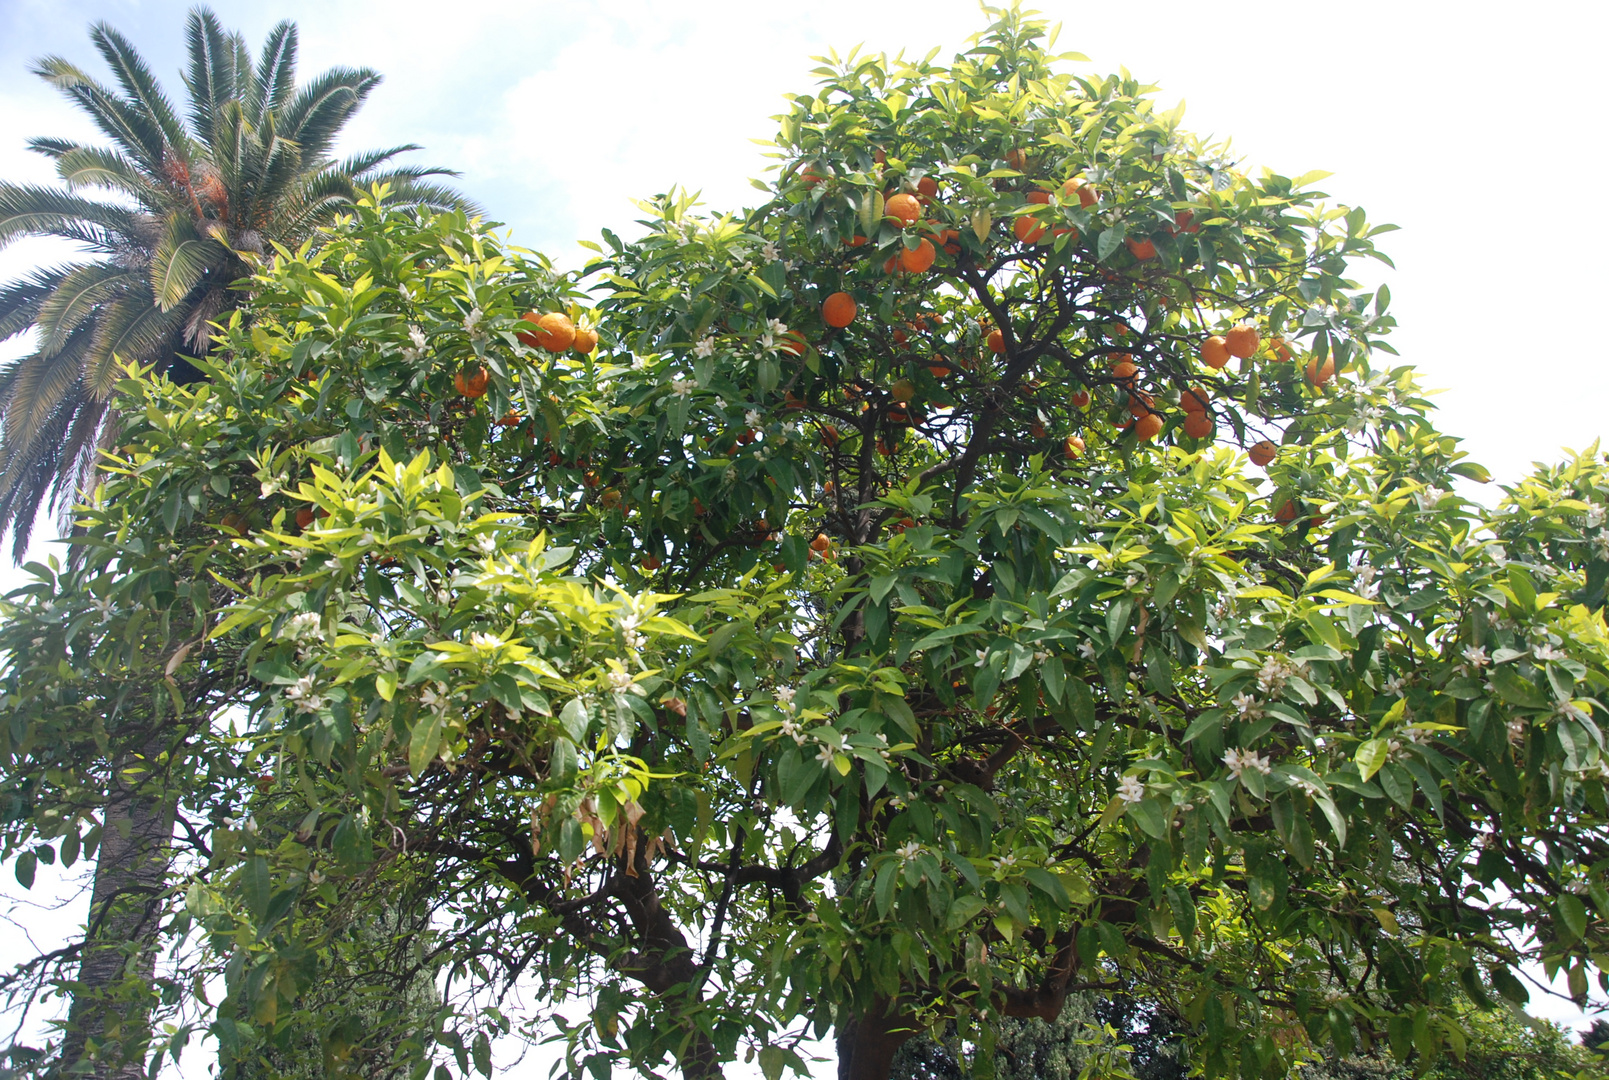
x=553, y=331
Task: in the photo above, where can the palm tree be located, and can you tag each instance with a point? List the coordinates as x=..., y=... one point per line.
x=170, y=213
x=170, y=216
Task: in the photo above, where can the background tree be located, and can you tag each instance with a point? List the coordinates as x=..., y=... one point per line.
x=868, y=631
x=171, y=213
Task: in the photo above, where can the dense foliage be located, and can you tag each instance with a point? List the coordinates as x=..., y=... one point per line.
x=779, y=667
x=169, y=215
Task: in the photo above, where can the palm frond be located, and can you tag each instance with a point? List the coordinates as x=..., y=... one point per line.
x=230, y=147
x=139, y=84
x=129, y=330
x=20, y=300
x=358, y=164
x=139, y=135
x=281, y=165
x=29, y=210
x=244, y=87
x=276, y=71
x=405, y=191
x=35, y=388
x=78, y=296
x=53, y=468
x=321, y=108
x=209, y=79
x=94, y=166
x=52, y=148
x=180, y=260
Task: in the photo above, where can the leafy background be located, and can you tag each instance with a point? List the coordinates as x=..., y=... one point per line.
x=1474, y=133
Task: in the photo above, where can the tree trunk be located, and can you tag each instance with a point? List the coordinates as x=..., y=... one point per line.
x=867, y=1043
x=109, y=1021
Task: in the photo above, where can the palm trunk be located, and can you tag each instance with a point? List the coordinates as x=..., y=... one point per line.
x=108, y=1023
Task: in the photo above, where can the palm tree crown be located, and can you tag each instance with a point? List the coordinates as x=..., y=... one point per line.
x=169, y=213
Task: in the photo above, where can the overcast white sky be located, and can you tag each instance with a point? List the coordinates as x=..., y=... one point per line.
x=1477, y=127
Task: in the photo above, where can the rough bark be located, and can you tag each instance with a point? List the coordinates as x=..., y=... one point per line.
x=867, y=1043
x=109, y=1020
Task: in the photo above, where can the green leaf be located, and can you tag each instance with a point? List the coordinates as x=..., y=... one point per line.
x=1370, y=756
x=257, y=886
x=1149, y=815
x=27, y=862
x=1050, y=885
x=423, y=742
x=1515, y=690
x=562, y=762
x=1108, y=242
x=1573, y=914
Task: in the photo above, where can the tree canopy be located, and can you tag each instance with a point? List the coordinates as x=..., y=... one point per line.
x=853, y=616
x=169, y=214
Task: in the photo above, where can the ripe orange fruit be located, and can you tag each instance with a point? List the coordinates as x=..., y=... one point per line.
x=1037, y=430
x=1318, y=374
x=903, y=208
x=792, y=343
x=1085, y=194
x=1017, y=159
x=528, y=337
x=838, y=309
x=856, y=241
x=904, y=390
x=1148, y=427
x=1197, y=425
x=938, y=372
x=698, y=507
x=585, y=341
x=1183, y=223
x=996, y=341
x=812, y=176
x=1140, y=403
x=1073, y=447
x=950, y=240
x=1124, y=371
x=1280, y=350
x=1039, y=197
x=1028, y=229
x=1194, y=400
x=509, y=419
x=901, y=337
x=1141, y=249
x=1286, y=512
x=1080, y=399
x=651, y=563
x=1242, y=341
x=555, y=332
x=920, y=258
x=235, y=521
x=304, y=517
x=610, y=498
x=471, y=382
x=830, y=435
x=927, y=187
x=1263, y=453
x=1215, y=352
x=820, y=543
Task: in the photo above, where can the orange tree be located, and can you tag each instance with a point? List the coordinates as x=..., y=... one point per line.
x=877, y=628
